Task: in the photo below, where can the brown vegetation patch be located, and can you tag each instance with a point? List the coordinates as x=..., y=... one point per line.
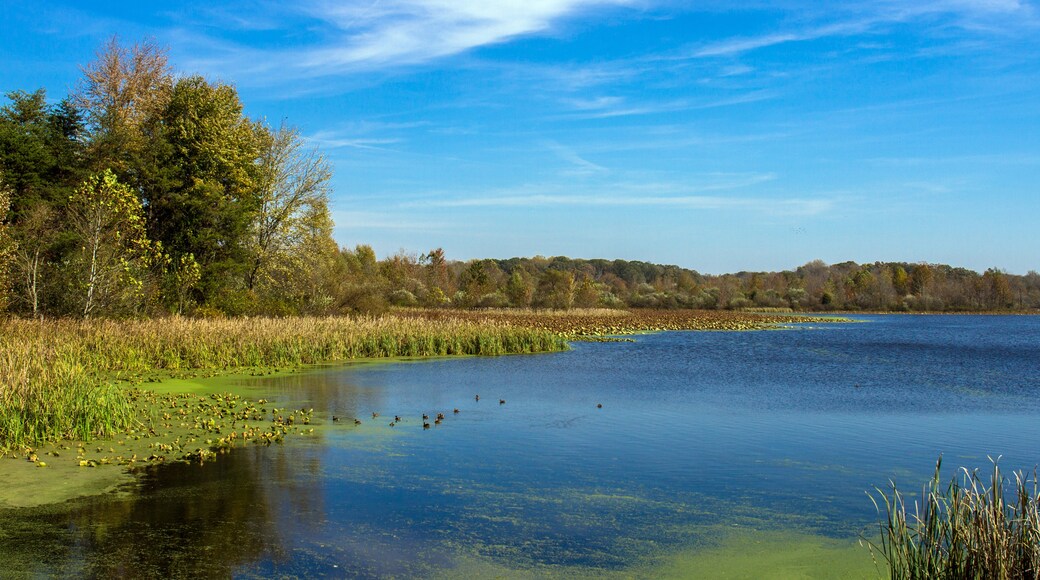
x=589, y=323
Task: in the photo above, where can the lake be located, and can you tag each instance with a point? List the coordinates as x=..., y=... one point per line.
x=696, y=454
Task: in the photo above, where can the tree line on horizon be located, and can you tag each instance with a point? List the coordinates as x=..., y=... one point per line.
x=430, y=280
x=143, y=193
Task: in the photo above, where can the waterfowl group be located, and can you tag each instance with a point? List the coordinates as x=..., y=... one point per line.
x=439, y=418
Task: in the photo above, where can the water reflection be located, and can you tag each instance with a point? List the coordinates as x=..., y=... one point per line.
x=181, y=521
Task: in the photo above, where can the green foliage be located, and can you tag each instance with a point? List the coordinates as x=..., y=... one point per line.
x=210, y=199
x=556, y=290
x=115, y=252
x=40, y=150
x=519, y=290
x=965, y=530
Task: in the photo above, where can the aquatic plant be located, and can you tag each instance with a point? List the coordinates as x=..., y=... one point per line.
x=965, y=530
x=586, y=324
x=57, y=377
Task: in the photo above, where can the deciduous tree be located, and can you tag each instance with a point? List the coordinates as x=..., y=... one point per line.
x=7, y=245
x=123, y=92
x=208, y=200
x=292, y=187
x=109, y=221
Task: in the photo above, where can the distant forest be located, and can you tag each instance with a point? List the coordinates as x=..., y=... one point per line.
x=142, y=193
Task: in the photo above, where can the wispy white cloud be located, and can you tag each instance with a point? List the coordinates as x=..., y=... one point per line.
x=854, y=20
x=705, y=195
x=336, y=140
x=405, y=32
x=789, y=206
x=350, y=220
x=736, y=46
x=579, y=165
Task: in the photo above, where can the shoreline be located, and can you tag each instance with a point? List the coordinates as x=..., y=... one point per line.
x=183, y=414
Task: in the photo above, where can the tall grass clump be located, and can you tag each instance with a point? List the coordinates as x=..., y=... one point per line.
x=56, y=377
x=966, y=529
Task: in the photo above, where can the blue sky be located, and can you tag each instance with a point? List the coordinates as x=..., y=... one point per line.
x=720, y=136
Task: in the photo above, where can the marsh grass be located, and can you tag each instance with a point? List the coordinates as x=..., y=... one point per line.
x=965, y=529
x=58, y=378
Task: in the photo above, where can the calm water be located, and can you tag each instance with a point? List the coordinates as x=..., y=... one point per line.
x=762, y=430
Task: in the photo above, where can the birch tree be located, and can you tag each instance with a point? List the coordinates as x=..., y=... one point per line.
x=109, y=221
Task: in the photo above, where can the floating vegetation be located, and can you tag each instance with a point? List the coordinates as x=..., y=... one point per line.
x=595, y=324
x=180, y=427
x=967, y=529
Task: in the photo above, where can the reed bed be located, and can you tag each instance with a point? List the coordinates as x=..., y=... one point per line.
x=56, y=376
x=967, y=529
x=581, y=324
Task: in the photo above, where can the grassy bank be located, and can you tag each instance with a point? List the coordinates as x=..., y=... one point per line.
x=58, y=378
x=967, y=529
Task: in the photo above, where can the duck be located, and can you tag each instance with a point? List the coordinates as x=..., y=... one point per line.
x=357, y=421
x=374, y=415
x=397, y=418
x=440, y=416
x=425, y=416
x=335, y=418
x=456, y=411
x=425, y=425
x=476, y=398
x=599, y=405
x=501, y=401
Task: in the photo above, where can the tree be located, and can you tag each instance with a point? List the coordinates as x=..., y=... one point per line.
x=40, y=150
x=556, y=290
x=997, y=289
x=586, y=296
x=437, y=275
x=123, y=93
x=7, y=245
x=292, y=188
x=476, y=281
x=109, y=221
x=901, y=281
x=34, y=236
x=519, y=290
x=206, y=201
x=921, y=279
